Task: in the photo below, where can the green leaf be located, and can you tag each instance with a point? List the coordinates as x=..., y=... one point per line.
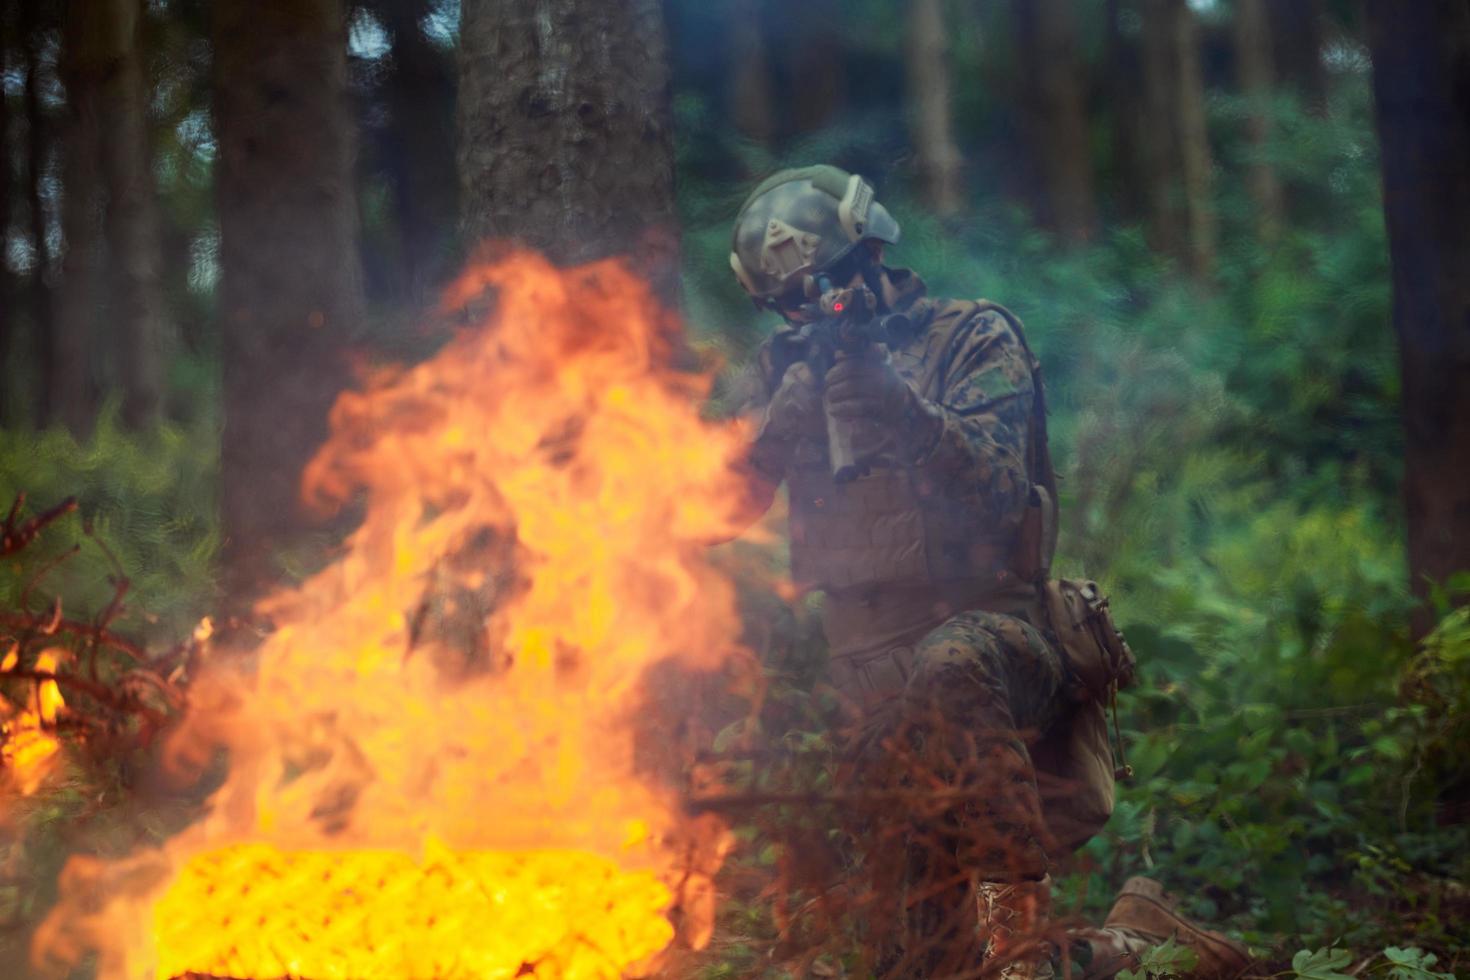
x=1412, y=963
x=1171, y=959
x=1324, y=964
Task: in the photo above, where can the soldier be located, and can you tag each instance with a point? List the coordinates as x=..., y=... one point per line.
x=929, y=537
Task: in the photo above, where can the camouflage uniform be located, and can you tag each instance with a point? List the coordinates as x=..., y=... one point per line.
x=915, y=558
x=932, y=613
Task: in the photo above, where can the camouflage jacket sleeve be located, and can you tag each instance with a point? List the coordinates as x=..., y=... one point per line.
x=974, y=436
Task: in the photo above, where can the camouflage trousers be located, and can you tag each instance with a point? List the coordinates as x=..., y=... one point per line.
x=942, y=731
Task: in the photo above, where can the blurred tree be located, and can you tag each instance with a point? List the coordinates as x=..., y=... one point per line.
x=290, y=290
x=1175, y=148
x=1297, y=37
x=85, y=63
x=931, y=125
x=138, y=327
x=7, y=308
x=816, y=69
x=1124, y=89
x=565, y=134
x=1421, y=84
x=1255, y=74
x=37, y=150
x=419, y=144
x=1055, y=118
x=751, y=99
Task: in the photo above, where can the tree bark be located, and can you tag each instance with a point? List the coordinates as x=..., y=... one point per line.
x=138, y=318
x=1256, y=77
x=751, y=98
x=1176, y=146
x=37, y=146
x=1421, y=84
x=1055, y=119
x=565, y=135
x=70, y=386
x=931, y=125
x=290, y=288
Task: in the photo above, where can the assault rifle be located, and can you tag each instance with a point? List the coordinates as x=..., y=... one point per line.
x=844, y=323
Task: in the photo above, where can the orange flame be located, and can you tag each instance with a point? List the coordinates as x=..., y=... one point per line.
x=447, y=760
x=29, y=748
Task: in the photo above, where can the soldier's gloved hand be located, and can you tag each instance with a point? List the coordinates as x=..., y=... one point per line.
x=794, y=412
x=865, y=386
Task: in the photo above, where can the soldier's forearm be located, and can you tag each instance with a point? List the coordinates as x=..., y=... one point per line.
x=952, y=451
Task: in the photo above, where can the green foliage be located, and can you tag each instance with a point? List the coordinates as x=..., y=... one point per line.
x=1324, y=964
x=1167, y=960
x=1230, y=460
x=149, y=497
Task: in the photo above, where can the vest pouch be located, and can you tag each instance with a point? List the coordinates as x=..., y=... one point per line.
x=1074, y=774
x=1098, y=658
x=1074, y=761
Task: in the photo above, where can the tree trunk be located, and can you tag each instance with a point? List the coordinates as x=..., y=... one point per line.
x=290, y=289
x=70, y=385
x=1296, y=29
x=138, y=313
x=1421, y=84
x=751, y=99
x=931, y=127
x=1055, y=118
x=565, y=137
x=1176, y=146
x=1125, y=92
x=1256, y=77
x=1196, y=165
x=7, y=303
x=37, y=136
x=421, y=147
x=815, y=72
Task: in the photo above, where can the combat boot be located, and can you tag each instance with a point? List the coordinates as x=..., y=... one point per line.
x=1144, y=917
x=1013, y=917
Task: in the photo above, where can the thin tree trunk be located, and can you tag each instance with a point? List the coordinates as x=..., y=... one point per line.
x=42, y=316
x=751, y=98
x=290, y=288
x=1056, y=118
x=1175, y=150
x=1196, y=165
x=70, y=385
x=1157, y=149
x=7, y=316
x=1421, y=85
x=1256, y=77
x=1297, y=36
x=138, y=314
x=815, y=70
x=421, y=147
x=565, y=139
x=1125, y=91
x=931, y=126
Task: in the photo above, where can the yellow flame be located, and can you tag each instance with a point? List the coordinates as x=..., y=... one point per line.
x=470, y=681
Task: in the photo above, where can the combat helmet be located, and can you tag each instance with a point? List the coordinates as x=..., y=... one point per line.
x=798, y=223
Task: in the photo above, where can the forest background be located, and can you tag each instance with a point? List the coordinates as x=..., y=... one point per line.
x=209, y=212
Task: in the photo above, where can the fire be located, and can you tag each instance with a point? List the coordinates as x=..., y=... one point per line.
x=452, y=757
x=29, y=748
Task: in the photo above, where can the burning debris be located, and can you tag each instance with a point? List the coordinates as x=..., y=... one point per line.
x=438, y=768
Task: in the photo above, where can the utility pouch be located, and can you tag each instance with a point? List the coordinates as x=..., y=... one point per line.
x=1097, y=656
x=1077, y=755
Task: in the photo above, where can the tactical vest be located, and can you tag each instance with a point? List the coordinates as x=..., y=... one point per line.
x=891, y=526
